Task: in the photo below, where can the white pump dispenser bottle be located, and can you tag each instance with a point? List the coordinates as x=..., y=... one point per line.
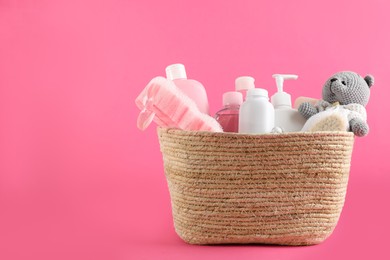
x=287, y=118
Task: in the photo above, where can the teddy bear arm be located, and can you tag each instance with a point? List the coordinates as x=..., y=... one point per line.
x=359, y=127
x=307, y=110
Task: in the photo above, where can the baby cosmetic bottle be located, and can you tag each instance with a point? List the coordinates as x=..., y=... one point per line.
x=257, y=115
x=243, y=84
x=192, y=88
x=287, y=118
x=228, y=115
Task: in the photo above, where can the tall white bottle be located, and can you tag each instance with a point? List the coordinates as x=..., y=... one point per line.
x=287, y=118
x=257, y=114
x=243, y=84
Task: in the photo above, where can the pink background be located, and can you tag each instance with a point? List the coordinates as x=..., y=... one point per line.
x=79, y=181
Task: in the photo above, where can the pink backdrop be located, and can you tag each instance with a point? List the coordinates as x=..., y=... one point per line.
x=79, y=181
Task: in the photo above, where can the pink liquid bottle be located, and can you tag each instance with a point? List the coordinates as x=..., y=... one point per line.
x=192, y=88
x=228, y=115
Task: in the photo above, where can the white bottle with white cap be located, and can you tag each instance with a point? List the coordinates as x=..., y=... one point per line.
x=243, y=84
x=287, y=118
x=192, y=88
x=257, y=114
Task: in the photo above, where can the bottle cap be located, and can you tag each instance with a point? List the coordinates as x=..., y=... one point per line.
x=244, y=83
x=257, y=92
x=176, y=71
x=232, y=98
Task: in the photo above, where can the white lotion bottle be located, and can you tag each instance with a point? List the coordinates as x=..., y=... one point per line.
x=287, y=118
x=257, y=114
x=243, y=84
x=192, y=88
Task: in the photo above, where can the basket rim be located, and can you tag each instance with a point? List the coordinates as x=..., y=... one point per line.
x=254, y=136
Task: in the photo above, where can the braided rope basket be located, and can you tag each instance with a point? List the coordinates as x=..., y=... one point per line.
x=286, y=189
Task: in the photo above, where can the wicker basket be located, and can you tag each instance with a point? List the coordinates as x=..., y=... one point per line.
x=286, y=189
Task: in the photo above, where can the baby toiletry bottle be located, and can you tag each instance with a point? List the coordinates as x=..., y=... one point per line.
x=243, y=84
x=228, y=115
x=287, y=118
x=192, y=88
x=257, y=114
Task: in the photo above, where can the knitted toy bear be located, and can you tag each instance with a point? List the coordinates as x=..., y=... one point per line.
x=345, y=96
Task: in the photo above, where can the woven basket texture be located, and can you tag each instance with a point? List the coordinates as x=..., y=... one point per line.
x=285, y=189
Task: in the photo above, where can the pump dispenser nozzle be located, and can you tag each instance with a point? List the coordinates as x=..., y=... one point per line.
x=281, y=98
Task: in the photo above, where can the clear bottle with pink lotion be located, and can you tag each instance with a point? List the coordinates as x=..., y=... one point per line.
x=192, y=88
x=228, y=116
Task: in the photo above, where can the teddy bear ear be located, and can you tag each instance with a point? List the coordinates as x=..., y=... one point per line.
x=370, y=80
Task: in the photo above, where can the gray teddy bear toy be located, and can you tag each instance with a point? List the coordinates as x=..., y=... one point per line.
x=345, y=96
